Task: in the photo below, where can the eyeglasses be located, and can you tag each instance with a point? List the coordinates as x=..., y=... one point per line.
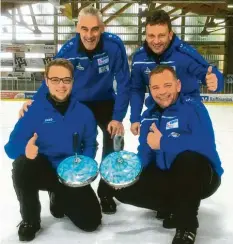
x=56, y=80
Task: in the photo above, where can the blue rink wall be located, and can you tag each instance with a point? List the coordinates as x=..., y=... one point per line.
x=216, y=99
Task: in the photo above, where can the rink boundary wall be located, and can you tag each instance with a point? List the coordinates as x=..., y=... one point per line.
x=215, y=99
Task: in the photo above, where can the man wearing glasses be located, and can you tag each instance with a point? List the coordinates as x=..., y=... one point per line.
x=99, y=58
x=41, y=139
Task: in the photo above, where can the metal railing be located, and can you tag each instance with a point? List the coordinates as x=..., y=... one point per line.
x=26, y=84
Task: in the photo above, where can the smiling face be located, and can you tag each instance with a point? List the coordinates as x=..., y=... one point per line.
x=59, y=91
x=90, y=29
x=158, y=37
x=164, y=88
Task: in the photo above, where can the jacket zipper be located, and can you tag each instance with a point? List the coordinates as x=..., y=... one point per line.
x=164, y=158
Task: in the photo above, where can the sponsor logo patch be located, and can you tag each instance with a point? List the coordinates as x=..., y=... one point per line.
x=172, y=124
x=103, y=69
x=102, y=61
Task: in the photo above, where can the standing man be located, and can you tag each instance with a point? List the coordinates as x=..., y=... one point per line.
x=162, y=46
x=40, y=141
x=98, y=58
x=177, y=149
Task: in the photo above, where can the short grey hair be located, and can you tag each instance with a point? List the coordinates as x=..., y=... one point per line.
x=90, y=10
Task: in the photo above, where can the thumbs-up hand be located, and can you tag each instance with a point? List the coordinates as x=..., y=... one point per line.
x=211, y=80
x=153, y=137
x=31, y=149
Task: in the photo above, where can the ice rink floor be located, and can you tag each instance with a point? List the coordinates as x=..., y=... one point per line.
x=129, y=224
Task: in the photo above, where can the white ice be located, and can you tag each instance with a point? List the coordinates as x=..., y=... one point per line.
x=130, y=224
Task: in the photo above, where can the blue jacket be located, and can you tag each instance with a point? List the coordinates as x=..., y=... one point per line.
x=185, y=125
x=94, y=77
x=190, y=66
x=55, y=132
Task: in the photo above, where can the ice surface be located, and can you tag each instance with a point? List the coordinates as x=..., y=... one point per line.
x=129, y=224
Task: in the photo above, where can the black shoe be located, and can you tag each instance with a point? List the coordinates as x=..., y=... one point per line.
x=183, y=236
x=169, y=222
x=162, y=214
x=27, y=231
x=55, y=208
x=108, y=205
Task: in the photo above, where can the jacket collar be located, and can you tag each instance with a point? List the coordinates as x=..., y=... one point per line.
x=48, y=102
x=153, y=107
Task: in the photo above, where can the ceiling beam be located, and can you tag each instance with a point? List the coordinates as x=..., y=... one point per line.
x=36, y=29
x=23, y=1
x=109, y=5
x=203, y=8
x=18, y=22
x=117, y=13
x=160, y=6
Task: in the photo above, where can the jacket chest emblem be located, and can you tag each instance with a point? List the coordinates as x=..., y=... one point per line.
x=49, y=121
x=103, y=60
x=79, y=67
x=147, y=71
x=103, y=69
x=172, y=124
x=174, y=134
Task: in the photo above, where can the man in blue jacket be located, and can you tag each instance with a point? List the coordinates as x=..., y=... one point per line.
x=177, y=149
x=99, y=58
x=40, y=140
x=162, y=46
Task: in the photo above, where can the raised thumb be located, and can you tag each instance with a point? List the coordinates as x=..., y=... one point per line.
x=153, y=128
x=33, y=139
x=209, y=71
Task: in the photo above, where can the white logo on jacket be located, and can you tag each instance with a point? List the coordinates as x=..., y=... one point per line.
x=79, y=67
x=103, y=69
x=147, y=71
x=174, y=134
x=49, y=121
x=172, y=124
x=104, y=60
